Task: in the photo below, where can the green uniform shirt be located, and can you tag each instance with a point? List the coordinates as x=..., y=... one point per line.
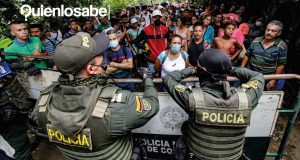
x=181, y=94
x=33, y=44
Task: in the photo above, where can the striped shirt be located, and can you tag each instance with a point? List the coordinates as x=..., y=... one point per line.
x=266, y=60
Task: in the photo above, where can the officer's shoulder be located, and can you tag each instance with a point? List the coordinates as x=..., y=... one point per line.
x=49, y=88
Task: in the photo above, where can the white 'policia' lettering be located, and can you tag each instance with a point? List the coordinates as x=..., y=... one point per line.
x=27, y=10
x=223, y=118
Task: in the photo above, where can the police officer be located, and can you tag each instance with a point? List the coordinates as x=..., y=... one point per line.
x=15, y=106
x=83, y=115
x=219, y=114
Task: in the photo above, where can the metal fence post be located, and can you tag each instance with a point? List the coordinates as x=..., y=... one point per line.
x=289, y=127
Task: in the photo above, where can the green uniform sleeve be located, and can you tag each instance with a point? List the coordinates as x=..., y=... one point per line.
x=177, y=91
x=135, y=111
x=254, y=85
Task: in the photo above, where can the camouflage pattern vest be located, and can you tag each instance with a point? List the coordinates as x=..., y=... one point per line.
x=217, y=127
x=94, y=140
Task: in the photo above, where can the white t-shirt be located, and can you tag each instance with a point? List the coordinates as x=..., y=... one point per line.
x=170, y=64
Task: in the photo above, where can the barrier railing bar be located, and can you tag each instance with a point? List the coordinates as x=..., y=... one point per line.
x=196, y=79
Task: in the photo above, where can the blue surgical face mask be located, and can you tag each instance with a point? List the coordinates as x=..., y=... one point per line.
x=114, y=43
x=175, y=48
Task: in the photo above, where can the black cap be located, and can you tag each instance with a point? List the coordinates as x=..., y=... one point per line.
x=215, y=61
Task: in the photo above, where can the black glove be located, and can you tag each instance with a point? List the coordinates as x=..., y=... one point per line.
x=144, y=72
x=8, y=113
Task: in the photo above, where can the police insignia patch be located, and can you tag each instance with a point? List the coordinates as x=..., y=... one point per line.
x=180, y=88
x=146, y=105
x=253, y=84
x=139, y=104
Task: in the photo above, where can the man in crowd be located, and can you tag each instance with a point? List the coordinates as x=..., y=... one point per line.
x=73, y=29
x=267, y=54
x=23, y=44
x=156, y=36
x=226, y=42
x=120, y=61
x=204, y=138
x=37, y=30
x=94, y=118
x=104, y=24
x=89, y=27
x=216, y=24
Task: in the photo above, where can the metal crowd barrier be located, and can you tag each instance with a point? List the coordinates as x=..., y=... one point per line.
x=291, y=119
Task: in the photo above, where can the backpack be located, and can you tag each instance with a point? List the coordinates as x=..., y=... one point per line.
x=166, y=55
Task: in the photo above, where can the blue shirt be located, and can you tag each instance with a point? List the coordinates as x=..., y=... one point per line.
x=208, y=36
x=118, y=57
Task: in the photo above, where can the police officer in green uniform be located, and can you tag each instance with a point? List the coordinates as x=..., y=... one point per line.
x=219, y=114
x=83, y=115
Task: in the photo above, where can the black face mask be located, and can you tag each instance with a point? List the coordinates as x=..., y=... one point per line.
x=157, y=22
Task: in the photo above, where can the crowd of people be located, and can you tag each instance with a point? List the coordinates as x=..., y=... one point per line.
x=166, y=38
x=171, y=41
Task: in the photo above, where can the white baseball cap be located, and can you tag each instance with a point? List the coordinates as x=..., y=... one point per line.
x=156, y=13
x=133, y=20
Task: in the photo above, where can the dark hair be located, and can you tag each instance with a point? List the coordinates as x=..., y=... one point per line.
x=230, y=22
x=72, y=20
x=197, y=24
x=114, y=21
x=218, y=13
x=175, y=36
x=88, y=19
x=112, y=31
x=17, y=22
x=184, y=20
x=39, y=26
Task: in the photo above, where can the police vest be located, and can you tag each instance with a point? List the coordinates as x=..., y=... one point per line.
x=218, y=126
x=93, y=141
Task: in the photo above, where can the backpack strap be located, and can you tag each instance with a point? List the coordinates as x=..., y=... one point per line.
x=103, y=100
x=165, y=57
x=199, y=99
x=243, y=100
x=124, y=51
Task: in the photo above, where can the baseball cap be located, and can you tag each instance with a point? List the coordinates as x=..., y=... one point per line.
x=156, y=13
x=133, y=20
x=215, y=61
x=72, y=54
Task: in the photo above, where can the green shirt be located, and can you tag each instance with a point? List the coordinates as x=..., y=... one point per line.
x=33, y=44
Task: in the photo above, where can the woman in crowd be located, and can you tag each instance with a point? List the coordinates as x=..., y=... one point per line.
x=183, y=31
x=172, y=59
x=208, y=31
x=193, y=21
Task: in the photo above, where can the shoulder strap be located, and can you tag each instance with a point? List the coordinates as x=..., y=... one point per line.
x=54, y=46
x=124, y=51
x=103, y=100
x=199, y=98
x=243, y=100
x=165, y=57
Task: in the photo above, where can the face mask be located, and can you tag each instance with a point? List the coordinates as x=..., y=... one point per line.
x=157, y=22
x=175, y=48
x=258, y=23
x=114, y=43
